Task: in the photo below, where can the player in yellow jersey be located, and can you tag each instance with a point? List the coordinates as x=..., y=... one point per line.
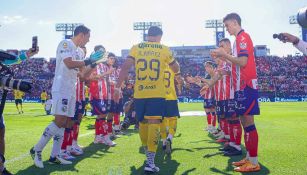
x=18, y=99
x=43, y=97
x=87, y=97
x=150, y=60
x=169, y=122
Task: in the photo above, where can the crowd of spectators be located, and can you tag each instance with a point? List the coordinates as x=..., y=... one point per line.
x=277, y=76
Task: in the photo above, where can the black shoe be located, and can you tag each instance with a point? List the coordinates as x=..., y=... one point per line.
x=163, y=147
x=168, y=145
x=6, y=172
x=233, y=152
x=226, y=148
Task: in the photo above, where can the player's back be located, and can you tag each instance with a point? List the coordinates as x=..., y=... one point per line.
x=150, y=59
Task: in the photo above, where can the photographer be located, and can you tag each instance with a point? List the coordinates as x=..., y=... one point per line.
x=18, y=59
x=299, y=44
x=130, y=117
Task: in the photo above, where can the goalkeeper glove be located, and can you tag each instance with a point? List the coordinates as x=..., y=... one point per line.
x=96, y=56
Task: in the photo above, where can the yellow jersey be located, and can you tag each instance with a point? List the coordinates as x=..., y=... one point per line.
x=150, y=60
x=169, y=82
x=18, y=94
x=43, y=96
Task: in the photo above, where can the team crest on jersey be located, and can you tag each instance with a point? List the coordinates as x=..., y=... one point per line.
x=243, y=45
x=64, y=101
x=141, y=87
x=65, y=45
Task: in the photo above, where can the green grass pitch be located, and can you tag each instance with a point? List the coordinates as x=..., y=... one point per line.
x=282, y=129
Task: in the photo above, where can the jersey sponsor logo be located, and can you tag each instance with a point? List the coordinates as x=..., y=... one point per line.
x=149, y=87
x=145, y=45
x=243, y=45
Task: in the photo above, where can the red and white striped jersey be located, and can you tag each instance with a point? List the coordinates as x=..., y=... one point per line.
x=104, y=88
x=223, y=87
x=247, y=75
x=80, y=90
x=209, y=94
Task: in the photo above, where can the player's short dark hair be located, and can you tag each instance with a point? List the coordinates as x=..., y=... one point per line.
x=98, y=47
x=155, y=31
x=111, y=55
x=81, y=29
x=233, y=16
x=225, y=40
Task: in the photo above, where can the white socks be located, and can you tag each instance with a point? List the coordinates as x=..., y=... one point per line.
x=49, y=132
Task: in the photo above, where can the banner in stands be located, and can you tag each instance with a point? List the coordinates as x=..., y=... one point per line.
x=263, y=99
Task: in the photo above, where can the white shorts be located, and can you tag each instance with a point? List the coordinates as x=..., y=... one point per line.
x=63, y=105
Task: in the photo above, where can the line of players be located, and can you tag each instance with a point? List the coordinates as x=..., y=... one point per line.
x=234, y=85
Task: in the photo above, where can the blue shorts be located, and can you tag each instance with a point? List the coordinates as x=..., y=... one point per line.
x=220, y=107
x=18, y=101
x=247, y=102
x=230, y=108
x=149, y=107
x=114, y=107
x=99, y=107
x=2, y=125
x=171, y=109
x=209, y=103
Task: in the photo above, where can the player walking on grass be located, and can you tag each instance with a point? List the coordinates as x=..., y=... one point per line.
x=64, y=93
x=150, y=60
x=169, y=123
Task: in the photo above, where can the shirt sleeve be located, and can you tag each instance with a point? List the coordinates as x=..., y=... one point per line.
x=302, y=46
x=169, y=57
x=243, y=46
x=64, y=50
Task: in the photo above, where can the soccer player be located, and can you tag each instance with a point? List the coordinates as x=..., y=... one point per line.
x=150, y=60
x=44, y=97
x=208, y=95
x=169, y=122
x=99, y=101
x=113, y=108
x=246, y=91
x=69, y=147
x=87, y=98
x=18, y=100
x=64, y=93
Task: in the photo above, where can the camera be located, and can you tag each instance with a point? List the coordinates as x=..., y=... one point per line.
x=279, y=36
x=302, y=17
x=6, y=75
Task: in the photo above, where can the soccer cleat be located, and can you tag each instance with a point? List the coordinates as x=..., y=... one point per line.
x=59, y=160
x=75, y=151
x=225, y=148
x=163, y=147
x=66, y=156
x=168, y=149
x=6, y=172
x=99, y=139
x=151, y=169
x=233, y=152
x=240, y=163
x=108, y=141
x=37, y=157
x=248, y=167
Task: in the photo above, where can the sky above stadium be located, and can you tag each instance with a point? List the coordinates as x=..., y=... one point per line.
x=111, y=21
